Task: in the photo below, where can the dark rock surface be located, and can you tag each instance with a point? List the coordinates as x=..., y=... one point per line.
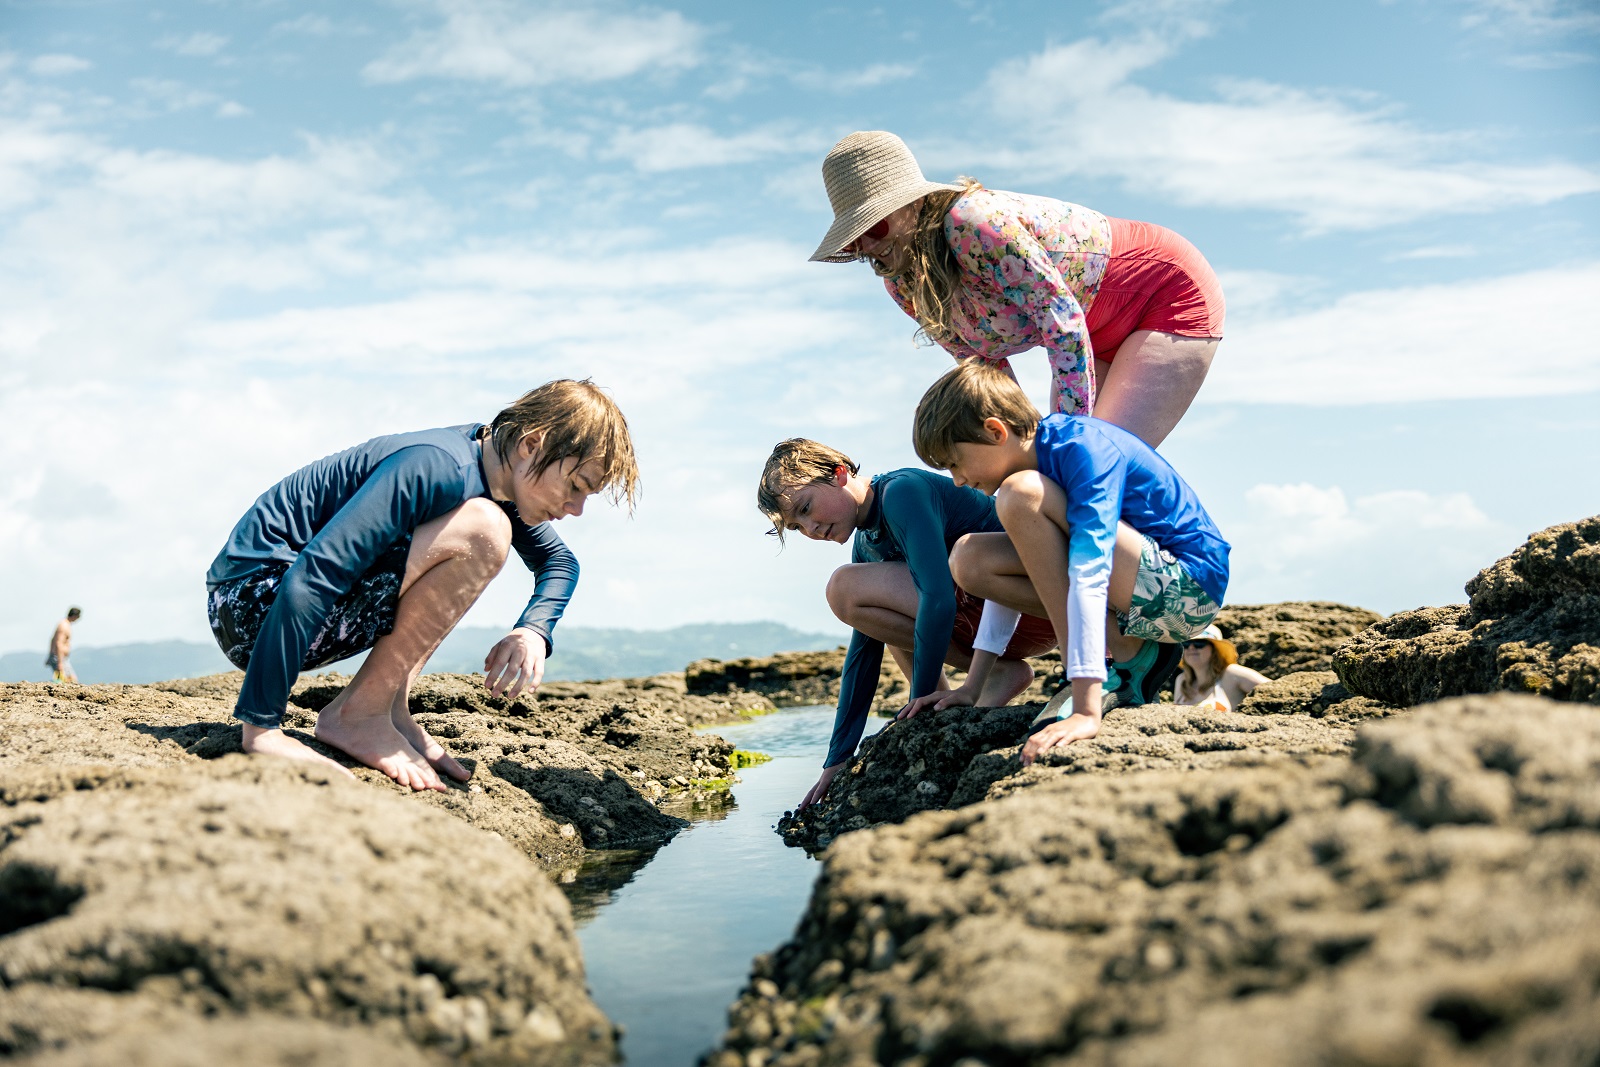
x=1292, y=636
x=1430, y=895
x=218, y=902
x=1531, y=625
x=790, y=679
x=959, y=756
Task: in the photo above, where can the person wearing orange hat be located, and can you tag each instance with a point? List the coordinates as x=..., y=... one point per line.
x=1129, y=313
x=1210, y=674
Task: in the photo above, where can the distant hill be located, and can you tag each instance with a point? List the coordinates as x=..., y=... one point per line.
x=580, y=653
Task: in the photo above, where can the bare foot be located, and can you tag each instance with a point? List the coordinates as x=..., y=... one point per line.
x=423, y=742
x=259, y=741
x=373, y=740
x=1007, y=678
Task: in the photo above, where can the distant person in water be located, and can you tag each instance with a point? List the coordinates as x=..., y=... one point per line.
x=1210, y=674
x=61, y=648
x=386, y=545
x=897, y=589
x=1104, y=537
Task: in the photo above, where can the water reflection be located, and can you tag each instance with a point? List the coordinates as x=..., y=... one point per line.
x=595, y=883
x=668, y=936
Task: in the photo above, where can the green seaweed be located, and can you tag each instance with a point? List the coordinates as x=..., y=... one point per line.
x=740, y=758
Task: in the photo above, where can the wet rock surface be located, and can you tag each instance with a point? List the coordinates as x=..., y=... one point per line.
x=792, y=679
x=1531, y=625
x=231, y=900
x=1428, y=894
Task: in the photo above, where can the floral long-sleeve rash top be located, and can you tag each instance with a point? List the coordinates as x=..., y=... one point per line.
x=1030, y=267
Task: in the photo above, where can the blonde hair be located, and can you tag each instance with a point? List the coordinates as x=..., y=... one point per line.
x=931, y=267
x=953, y=409
x=796, y=463
x=573, y=420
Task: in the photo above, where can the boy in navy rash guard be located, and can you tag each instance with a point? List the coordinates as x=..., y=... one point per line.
x=386, y=545
x=897, y=589
x=1105, y=538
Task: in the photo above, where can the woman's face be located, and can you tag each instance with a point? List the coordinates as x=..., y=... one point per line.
x=1197, y=654
x=887, y=245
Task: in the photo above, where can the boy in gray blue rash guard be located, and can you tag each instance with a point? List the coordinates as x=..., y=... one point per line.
x=897, y=589
x=386, y=545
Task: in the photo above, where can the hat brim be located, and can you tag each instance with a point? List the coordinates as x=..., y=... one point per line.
x=861, y=218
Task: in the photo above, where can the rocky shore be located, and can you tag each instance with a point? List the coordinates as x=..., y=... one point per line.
x=1331, y=874
x=166, y=899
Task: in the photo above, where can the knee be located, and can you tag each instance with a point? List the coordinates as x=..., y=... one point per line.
x=965, y=564
x=485, y=529
x=1019, y=495
x=841, y=592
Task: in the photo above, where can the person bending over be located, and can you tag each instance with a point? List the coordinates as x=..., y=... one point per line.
x=1109, y=541
x=1210, y=674
x=386, y=545
x=61, y=648
x=897, y=589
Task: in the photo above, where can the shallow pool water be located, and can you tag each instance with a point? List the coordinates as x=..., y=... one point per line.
x=668, y=936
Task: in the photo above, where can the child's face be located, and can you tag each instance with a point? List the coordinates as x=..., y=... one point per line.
x=983, y=466
x=1197, y=654
x=561, y=490
x=822, y=511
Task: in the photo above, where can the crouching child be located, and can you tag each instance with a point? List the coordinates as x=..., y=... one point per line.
x=385, y=546
x=1115, y=547
x=897, y=589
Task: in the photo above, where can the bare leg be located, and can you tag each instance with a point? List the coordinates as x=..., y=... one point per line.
x=1153, y=382
x=1034, y=511
x=453, y=558
x=880, y=600
x=987, y=565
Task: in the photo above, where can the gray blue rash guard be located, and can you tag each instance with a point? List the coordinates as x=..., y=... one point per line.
x=331, y=520
x=915, y=518
x=1107, y=475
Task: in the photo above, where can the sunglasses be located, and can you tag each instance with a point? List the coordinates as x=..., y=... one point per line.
x=1202, y=643
x=876, y=232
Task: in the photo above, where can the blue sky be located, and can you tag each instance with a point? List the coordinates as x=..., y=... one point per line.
x=237, y=237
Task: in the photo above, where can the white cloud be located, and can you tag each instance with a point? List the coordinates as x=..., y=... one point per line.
x=1517, y=335
x=1436, y=252
x=1534, y=17
x=57, y=64
x=1390, y=551
x=1327, y=161
x=194, y=44
x=169, y=95
x=850, y=81
x=681, y=145
x=495, y=41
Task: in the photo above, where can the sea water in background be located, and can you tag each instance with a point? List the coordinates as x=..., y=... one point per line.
x=668, y=949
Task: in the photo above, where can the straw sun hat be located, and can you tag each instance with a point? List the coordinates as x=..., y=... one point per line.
x=1224, y=647
x=868, y=175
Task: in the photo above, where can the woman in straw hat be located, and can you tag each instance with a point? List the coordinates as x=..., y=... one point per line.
x=1130, y=313
x=1210, y=674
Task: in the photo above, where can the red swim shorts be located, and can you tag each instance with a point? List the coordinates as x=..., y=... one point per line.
x=1156, y=280
x=1034, y=636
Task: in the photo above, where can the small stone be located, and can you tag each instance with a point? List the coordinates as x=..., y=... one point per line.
x=1160, y=957
x=927, y=788
x=569, y=876
x=568, y=830
x=766, y=987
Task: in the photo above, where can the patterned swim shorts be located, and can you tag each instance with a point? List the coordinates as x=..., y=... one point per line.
x=364, y=614
x=1168, y=605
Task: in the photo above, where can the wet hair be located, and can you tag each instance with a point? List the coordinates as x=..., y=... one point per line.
x=73, y=614
x=794, y=464
x=573, y=420
x=954, y=408
x=931, y=271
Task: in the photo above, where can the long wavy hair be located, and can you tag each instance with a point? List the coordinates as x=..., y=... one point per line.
x=931, y=269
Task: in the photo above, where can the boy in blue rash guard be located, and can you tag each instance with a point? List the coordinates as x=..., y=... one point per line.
x=897, y=590
x=386, y=545
x=1107, y=539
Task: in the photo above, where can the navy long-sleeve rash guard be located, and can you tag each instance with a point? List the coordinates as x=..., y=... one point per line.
x=915, y=518
x=332, y=519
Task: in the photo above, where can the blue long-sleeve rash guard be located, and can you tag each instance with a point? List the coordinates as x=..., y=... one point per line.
x=915, y=518
x=331, y=520
x=1107, y=474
